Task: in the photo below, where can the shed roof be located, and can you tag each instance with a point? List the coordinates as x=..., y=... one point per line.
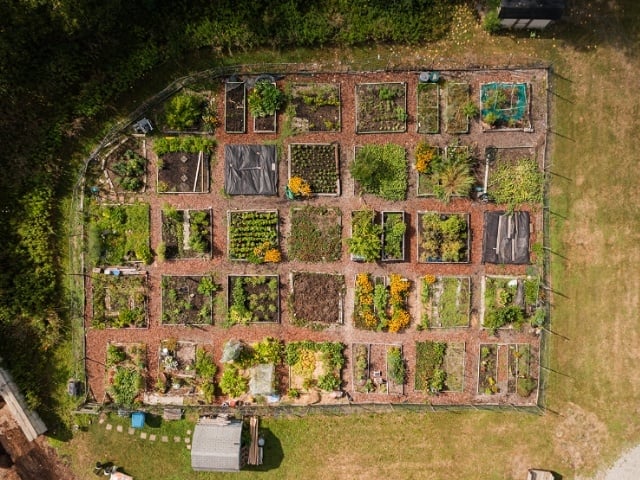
x=216, y=446
x=538, y=9
x=506, y=237
x=250, y=170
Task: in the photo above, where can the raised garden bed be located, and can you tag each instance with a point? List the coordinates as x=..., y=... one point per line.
x=316, y=299
x=520, y=380
x=185, y=233
x=125, y=168
x=488, y=369
x=314, y=365
x=365, y=243
x=381, y=107
x=381, y=170
x=428, y=108
x=443, y=237
x=394, y=230
x=118, y=234
x=504, y=106
x=126, y=368
x=183, y=164
x=381, y=303
x=513, y=176
x=264, y=101
x=186, y=372
x=439, y=367
x=253, y=235
x=253, y=299
x=316, y=234
x=445, y=301
x=457, y=97
x=511, y=302
x=318, y=164
x=187, y=299
x=444, y=176
x=377, y=368
x=315, y=107
x=235, y=107
x=189, y=112
x=119, y=301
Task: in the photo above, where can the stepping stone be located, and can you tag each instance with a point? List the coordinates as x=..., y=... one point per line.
x=187, y=440
x=119, y=428
x=176, y=439
x=109, y=426
x=131, y=430
x=153, y=437
x=165, y=439
x=143, y=435
x=188, y=432
x=101, y=420
x=188, y=447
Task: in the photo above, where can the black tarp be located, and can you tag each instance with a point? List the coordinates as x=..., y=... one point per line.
x=506, y=237
x=250, y=170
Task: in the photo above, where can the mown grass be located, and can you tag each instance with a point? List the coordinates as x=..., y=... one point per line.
x=593, y=380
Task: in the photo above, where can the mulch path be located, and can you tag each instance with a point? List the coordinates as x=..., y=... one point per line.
x=215, y=336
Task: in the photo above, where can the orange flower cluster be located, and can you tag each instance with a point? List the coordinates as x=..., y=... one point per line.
x=425, y=154
x=299, y=187
x=429, y=279
x=398, y=288
x=400, y=318
x=268, y=253
x=364, y=296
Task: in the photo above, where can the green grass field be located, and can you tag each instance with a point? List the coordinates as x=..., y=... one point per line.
x=593, y=386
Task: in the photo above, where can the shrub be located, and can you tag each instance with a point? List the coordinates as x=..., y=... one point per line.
x=516, y=184
x=397, y=367
x=365, y=241
x=232, y=382
x=470, y=109
x=491, y=22
x=526, y=385
x=381, y=170
x=183, y=111
x=265, y=99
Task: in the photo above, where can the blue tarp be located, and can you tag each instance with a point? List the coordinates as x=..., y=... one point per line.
x=137, y=419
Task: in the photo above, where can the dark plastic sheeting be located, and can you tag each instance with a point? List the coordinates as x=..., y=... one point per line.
x=250, y=170
x=506, y=238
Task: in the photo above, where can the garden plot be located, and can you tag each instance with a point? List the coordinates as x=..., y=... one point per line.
x=265, y=99
x=253, y=235
x=119, y=301
x=250, y=170
x=318, y=164
x=382, y=170
x=314, y=365
x=183, y=164
x=428, y=108
x=235, y=107
x=190, y=112
x=457, y=97
x=439, y=367
x=511, y=302
x=443, y=237
x=488, y=369
x=380, y=303
x=253, y=299
x=445, y=301
x=185, y=233
x=315, y=107
x=316, y=234
x=187, y=299
x=519, y=360
x=186, y=373
x=505, y=238
x=126, y=370
x=381, y=107
x=446, y=175
x=505, y=106
x=316, y=299
x=394, y=228
x=378, y=368
x=365, y=243
x=513, y=176
x=118, y=234
x=125, y=167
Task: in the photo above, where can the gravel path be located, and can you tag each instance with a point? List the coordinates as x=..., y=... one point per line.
x=627, y=467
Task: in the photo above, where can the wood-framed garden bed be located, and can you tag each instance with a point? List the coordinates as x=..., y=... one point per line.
x=119, y=301
x=187, y=299
x=505, y=106
x=457, y=96
x=314, y=365
x=126, y=371
x=380, y=303
x=373, y=373
x=381, y=107
x=439, y=367
x=520, y=380
x=125, y=167
x=267, y=123
x=488, y=369
x=235, y=104
x=316, y=234
x=443, y=237
x=511, y=302
x=316, y=299
x=249, y=230
x=186, y=233
x=365, y=242
x=445, y=301
x=390, y=176
x=253, y=299
x=428, y=118
x=316, y=107
x=318, y=164
x=183, y=172
x=394, y=229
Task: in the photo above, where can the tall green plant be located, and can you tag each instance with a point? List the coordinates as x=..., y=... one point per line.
x=365, y=241
x=265, y=99
x=183, y=111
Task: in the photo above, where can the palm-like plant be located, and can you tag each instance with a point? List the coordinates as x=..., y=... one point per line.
x=453, y=179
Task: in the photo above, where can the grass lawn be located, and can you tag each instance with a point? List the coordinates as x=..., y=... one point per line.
x=593, y=388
